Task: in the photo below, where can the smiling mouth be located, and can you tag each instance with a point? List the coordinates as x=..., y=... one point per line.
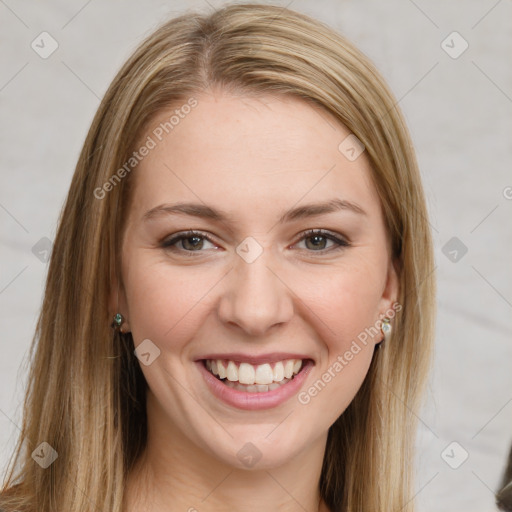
x=254, y=378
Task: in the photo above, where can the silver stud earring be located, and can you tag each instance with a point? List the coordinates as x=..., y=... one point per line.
x=386, y=331
x=118, y=321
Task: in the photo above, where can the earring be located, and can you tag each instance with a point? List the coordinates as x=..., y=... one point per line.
x=386, y=331
x=118, y=320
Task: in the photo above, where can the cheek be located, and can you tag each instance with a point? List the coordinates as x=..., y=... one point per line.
x=164, y=302
x=343, y=306
x=345, y=299
x=342, y=309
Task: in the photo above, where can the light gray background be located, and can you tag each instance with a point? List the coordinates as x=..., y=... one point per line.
x=459, y=112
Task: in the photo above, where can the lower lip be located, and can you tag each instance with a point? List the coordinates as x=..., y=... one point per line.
x=255, y=401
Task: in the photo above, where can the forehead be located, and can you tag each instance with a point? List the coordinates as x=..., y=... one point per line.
x=249, y=153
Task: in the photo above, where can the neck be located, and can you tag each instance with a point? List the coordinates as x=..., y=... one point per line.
x=175, y=474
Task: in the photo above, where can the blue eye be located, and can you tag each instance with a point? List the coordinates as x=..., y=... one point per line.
x=193, y=241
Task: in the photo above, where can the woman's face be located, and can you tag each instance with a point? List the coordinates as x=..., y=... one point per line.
x=251, y=286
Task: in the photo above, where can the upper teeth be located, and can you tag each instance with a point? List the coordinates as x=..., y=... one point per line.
x=247, y=373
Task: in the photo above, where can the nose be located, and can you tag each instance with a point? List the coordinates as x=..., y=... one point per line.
x=256, y=297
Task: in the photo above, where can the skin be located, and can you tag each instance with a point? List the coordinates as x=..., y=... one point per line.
x=254, y=158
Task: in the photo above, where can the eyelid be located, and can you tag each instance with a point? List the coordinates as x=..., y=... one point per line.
x=331, y=235
x=168, y=241
x=341, y=241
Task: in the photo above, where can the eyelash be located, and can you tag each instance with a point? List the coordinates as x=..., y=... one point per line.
x=341, y=243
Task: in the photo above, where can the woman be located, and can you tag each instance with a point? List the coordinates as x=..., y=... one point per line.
x=239, y=311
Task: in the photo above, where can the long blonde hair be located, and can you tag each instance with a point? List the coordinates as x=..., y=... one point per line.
x=86, y=393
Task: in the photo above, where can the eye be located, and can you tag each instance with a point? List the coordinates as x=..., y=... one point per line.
x=193, y=241
x=320, y=237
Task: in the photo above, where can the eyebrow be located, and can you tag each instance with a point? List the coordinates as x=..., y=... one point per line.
x=207, y=212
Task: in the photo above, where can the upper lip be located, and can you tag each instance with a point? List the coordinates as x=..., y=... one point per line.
x=255, y=359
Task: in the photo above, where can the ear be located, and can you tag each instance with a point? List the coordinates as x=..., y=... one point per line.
x=117, y=303
x=391, y=289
